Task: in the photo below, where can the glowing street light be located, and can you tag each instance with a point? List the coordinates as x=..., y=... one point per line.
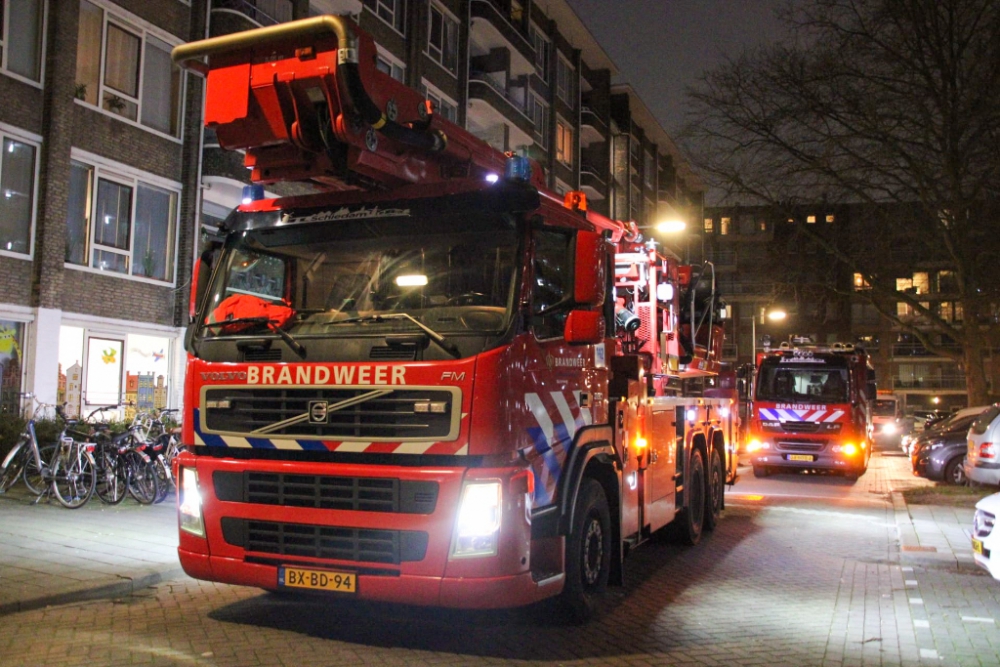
x=777, y=315
x=671, y=226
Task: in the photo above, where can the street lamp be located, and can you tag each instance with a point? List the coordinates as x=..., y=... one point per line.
x=675, y=225
x=776, y=315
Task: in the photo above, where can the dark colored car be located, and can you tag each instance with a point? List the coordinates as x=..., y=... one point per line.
x=939, y=453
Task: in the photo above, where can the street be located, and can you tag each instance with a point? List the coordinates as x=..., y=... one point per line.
x=803, y=570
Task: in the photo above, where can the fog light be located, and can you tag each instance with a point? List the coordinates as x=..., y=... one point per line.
x=477, y=527
x=189, y=503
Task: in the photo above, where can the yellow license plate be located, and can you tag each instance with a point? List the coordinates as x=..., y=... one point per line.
x=977, y=545
x=319, y=580
x=800, y=457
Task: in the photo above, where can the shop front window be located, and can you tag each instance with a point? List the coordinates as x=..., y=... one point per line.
x=11, y=363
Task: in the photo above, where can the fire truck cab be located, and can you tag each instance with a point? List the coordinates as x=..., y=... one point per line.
x=812, y=410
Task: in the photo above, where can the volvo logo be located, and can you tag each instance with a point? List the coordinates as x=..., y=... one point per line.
x=318, y=412
x=225, y=375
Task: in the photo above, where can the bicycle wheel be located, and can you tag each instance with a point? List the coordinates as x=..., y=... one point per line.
x=73, y=477
x=162, y=479
x=35, y=478
x=13, y=465
x=142, y=484
x=112, y=479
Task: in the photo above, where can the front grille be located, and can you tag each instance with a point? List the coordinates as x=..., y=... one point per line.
x=369, y=494
x=359, y=545
x=262, y=355
x=390, y=416
x=800, y=446
x=801, y=427
x=391, y=353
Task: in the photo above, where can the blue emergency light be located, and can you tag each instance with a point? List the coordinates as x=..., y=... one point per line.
x=518, y=168
x=252, y=193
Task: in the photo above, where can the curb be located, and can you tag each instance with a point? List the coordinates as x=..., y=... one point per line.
x=911, y=551
x=125, y=587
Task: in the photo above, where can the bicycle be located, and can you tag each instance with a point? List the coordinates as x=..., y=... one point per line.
x=112, y=472
x=65, y=468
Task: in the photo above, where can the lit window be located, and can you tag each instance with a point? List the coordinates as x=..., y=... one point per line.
x=17, y=203
x=709, y=224
x=21, y=38
x=565, y=81
x=541, y=44
x=922, y=282
x=811, y=219
x=443, y=105
x=829, y=218
x=391, y=11
x=762, y=225
x=539, y=114
x=442, y=39
x=120, y=224
x=565, y=144
x=860, y=283
x=139, y=82
x=724, y=227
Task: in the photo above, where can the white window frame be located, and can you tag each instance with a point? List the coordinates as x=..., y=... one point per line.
x=541, y=134
x=571, y=87
x=41, y=52
x=17, y=134
x=396, y=6
x=121, y=174
x=534, y=31
x=131, y=23
x=446, y=16
x=434, y=94
x=386, y=55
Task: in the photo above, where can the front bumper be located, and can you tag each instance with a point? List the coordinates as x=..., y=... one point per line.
x=811, y=460
x=983, y=473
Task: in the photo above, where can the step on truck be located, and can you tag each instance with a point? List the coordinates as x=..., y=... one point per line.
x=432, y=381
x=812, y=410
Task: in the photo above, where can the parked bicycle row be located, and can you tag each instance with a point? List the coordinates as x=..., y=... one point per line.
x=87, y=459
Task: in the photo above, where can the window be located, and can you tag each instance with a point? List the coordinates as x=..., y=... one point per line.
x=565, y=82
x=392, y=12
x=947, y=282
x=724, y=227
x=918, y=284
x=442, y=39
x=811, y=219
x=127, y=71
x=120, y=224
x=553, y=283
x=11, y=365
x=564, y=142
x=649, y=170
x=709, y=225
x=541, y=44
x=443, y=105
x=830, y=219
x=539, y=114
x=21, y=38
x=17, y=203
x=860, y=283
x=389, y=64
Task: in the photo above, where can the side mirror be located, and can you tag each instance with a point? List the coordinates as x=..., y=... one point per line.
x=590, y=282
x=584, y=327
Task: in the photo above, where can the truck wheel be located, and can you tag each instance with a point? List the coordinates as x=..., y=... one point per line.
x=954, y=472
x=588, y=552
x=715, y=489
x=693, y=517
x=760, y=471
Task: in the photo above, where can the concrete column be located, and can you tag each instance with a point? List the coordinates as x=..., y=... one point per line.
x=42, y=358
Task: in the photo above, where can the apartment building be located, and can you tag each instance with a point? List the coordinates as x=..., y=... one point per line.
x=766, y=263
x=111, y=185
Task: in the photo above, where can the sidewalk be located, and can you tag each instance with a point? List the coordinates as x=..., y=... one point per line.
x=50, y=555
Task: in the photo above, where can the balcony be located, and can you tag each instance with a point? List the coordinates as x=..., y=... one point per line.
x=591, y=182
x=258, y=13
x=489, y=29
x=592, y=128
x=491, y=105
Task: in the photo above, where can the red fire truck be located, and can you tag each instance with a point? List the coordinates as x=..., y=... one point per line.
x=433, y=382
x=812, y=410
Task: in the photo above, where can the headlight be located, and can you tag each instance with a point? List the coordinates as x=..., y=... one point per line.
x=756, y=445
x=189, y=503
x=477, y=528
x=982, y=523
x=847, y=448
x=889, y=429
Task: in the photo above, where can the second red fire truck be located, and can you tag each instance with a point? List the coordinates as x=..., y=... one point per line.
x=433, y=382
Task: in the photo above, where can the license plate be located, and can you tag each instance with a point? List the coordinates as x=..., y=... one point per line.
x=977, y=546
x=319, y=580
x=801, y=457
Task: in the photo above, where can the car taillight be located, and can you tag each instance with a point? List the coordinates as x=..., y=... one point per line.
x=987, y=450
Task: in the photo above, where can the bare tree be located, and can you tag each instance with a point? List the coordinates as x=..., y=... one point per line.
x=890, y=103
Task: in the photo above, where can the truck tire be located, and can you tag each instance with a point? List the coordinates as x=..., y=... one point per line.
x=714, y=490
x=588, y=552
x=693, y=517
x=760, y=472
x=954, y=472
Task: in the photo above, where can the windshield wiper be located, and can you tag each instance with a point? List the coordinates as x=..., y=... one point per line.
x=285, y=336
x=434, y=335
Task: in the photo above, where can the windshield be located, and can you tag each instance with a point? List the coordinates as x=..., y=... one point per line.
x=885, y=408
x=341, y=278
x=809, y=384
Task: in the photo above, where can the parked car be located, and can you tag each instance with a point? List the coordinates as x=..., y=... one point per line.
x=982, y=463
x=941, y=422
x=985, y=540
x=939, y=454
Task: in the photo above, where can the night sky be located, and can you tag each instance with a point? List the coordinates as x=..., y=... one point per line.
x=661, y=46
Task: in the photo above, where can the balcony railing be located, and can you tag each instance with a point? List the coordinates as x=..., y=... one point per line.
x=940, y=382
x=484, y=77
x=261, y=12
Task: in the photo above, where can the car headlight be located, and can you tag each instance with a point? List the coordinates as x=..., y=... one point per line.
x=889, y=429
x=982, y=523
x=756, y=445
x=189, y=503
x=477, y=528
